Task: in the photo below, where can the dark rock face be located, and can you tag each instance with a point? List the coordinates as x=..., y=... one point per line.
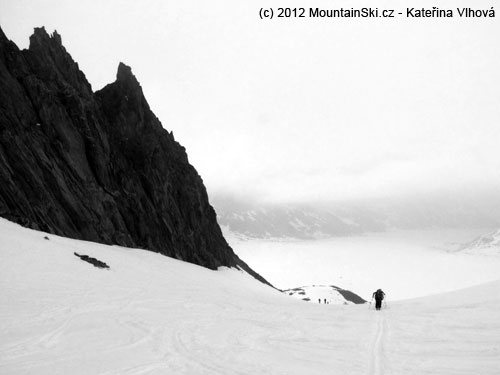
x=97, y=166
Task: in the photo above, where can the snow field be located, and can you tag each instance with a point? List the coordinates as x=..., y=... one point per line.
x=452, y=333
x=405, y=264
x=150, y=314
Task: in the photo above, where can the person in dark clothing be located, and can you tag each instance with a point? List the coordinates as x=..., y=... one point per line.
x=379, y=296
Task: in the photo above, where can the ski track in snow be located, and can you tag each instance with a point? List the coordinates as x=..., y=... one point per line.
x=377, y=353
x=150, y=314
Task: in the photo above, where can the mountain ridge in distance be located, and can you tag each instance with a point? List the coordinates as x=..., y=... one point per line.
x=247, y=217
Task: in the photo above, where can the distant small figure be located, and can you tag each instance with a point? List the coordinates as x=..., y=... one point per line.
x=319, y=300
x=325, y=301
x=379, y=297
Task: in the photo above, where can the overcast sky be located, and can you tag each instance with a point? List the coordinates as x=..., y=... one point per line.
x=299, y=109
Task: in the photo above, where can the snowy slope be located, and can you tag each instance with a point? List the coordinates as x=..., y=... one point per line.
x=488, y=244
x=149, y=314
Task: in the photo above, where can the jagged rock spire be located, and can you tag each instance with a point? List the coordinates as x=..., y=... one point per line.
x=98, y=166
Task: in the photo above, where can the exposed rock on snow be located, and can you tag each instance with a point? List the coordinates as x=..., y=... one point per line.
x=325, y=294
x=486, y=244
x=95, y=262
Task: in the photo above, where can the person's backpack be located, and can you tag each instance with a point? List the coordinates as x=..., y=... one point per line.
x=379, y=294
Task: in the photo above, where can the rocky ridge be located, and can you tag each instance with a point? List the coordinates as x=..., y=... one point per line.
x=97, y=166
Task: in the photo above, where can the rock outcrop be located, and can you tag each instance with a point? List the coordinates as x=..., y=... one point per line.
x=325, y=294
x=95, y=262
x=97, y=166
